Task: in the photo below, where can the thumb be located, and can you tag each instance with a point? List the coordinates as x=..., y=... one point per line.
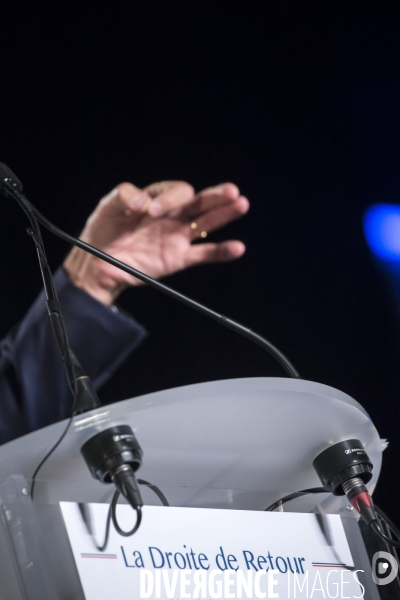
x=125, y=196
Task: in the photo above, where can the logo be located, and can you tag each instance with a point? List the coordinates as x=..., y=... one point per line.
x=384, y=568
x=351, y=450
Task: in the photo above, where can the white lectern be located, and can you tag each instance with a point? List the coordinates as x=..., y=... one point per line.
x=236, y=444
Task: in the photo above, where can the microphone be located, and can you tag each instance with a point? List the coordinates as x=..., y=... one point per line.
x=112, y=455
x=85, y=397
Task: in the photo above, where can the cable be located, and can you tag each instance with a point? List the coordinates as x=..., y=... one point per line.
x=375, y=526
x=65, y=354
x=49, y=453
x=114, y=517
x=107, y=533
x=387, y=529
x=393, y=528
x=156, y=490
x=111, y=514
x=293, y=496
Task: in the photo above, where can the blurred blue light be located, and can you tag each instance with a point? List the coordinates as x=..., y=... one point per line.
x=382, y=231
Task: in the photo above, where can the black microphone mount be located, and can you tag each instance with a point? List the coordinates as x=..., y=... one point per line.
x=345, y=469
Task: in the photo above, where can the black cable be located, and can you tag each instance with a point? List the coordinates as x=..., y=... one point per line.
x=393, y=528
x=156, y=490
x=64, y=346
x=118, y=529
x=372, y=517
x=293, y=496
x=112, y=516
x=387, y=529
x=49, y=453
x=107, y=533
x=375, y=526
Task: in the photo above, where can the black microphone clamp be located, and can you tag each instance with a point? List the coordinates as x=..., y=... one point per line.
x=345, y=469
x=113, y=455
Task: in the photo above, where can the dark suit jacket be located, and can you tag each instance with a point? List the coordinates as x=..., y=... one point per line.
x=34, y=390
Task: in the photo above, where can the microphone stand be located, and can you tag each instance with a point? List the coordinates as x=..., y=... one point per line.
x=85, y=398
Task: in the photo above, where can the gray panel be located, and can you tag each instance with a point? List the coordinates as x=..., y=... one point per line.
x=250, y=435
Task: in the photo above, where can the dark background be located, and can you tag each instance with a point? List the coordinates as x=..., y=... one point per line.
x=295, y=102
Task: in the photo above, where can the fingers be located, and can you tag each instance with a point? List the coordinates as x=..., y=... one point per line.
x=156, y=199
x=169, y=195
x=229, y=190
x=212, y=197
x=221, y=215
x=166, y=196
x=209, y=253
x=125, y=196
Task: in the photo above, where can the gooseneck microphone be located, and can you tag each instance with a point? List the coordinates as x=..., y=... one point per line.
x=85, y=398
x=11, y=185
x=112, y=455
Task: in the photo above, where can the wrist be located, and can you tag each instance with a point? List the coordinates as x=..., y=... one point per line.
x=87, y=272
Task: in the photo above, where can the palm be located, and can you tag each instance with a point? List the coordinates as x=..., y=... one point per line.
x=157, y=247
x=156, y=243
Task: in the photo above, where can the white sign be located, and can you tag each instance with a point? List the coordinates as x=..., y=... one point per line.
x=207, y=553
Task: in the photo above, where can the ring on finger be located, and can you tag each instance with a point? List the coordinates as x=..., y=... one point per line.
x=193, y=227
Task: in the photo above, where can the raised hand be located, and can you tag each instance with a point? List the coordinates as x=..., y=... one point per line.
x=153, y=230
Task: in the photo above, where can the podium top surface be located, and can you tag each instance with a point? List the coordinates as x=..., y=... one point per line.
x=251, y=435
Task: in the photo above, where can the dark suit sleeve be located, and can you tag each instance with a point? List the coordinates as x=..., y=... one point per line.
x=34, y=390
